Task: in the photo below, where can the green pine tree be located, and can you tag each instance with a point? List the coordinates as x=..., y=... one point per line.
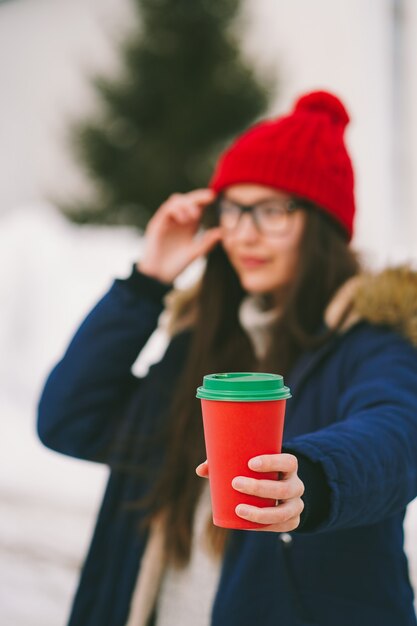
x=184, y=93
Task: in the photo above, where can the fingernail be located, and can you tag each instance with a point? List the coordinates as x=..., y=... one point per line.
x=254, y=463
x=237, y=483
x=241, y=509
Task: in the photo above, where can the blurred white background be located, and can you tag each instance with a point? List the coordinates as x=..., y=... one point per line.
x=51, y=272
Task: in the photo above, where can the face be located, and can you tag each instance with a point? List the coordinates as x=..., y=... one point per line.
x=265, y=263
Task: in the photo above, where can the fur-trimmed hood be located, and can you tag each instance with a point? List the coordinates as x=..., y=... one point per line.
x=388, y=298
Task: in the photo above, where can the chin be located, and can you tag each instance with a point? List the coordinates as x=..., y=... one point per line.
x=260, y=284
x=258, y=287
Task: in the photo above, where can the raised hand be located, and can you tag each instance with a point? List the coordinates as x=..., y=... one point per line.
x=171, y=239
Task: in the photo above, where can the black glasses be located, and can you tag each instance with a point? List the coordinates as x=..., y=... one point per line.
x=271, y=217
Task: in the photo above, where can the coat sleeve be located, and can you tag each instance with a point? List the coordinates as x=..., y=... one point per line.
x=369, y=452
x=83, y=398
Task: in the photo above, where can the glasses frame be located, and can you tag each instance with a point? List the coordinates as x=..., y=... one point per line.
x=292, y=205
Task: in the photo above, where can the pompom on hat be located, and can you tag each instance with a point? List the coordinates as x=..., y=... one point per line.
x=302, y=153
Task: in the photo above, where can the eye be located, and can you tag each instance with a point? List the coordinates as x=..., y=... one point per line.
x=226, y=206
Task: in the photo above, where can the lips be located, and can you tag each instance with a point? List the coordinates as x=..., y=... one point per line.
x=251, y=262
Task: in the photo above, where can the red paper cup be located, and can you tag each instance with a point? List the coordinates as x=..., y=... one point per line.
x=248, y=421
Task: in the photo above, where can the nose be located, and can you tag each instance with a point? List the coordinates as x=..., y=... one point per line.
x=246, y=228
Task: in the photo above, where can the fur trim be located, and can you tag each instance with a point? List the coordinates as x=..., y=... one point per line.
x=385, y=299
x=390, y=299
x=340, y=312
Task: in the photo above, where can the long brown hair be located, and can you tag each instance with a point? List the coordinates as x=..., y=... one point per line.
x=219, y=343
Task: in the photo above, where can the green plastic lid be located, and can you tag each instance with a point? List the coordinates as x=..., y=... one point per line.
x=243, y=387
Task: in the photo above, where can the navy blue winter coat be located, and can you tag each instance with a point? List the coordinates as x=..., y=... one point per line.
x=353, y=410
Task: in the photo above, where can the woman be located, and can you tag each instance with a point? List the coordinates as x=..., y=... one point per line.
x=281, y=292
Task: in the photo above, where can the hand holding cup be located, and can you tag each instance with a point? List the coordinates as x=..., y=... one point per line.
x=286, y=491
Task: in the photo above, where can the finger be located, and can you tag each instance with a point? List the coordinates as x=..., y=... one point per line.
x=180, y=213
x=286, y=527
x=201, y=196
x=202, y=470
x=275, y=489
x=280, y=514
x=285, y=463
x=183, y=212
x=171, y=208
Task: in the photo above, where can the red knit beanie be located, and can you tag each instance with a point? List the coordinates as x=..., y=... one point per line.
x=302, y=153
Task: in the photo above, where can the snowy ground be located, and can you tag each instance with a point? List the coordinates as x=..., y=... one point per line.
x=50, y=274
